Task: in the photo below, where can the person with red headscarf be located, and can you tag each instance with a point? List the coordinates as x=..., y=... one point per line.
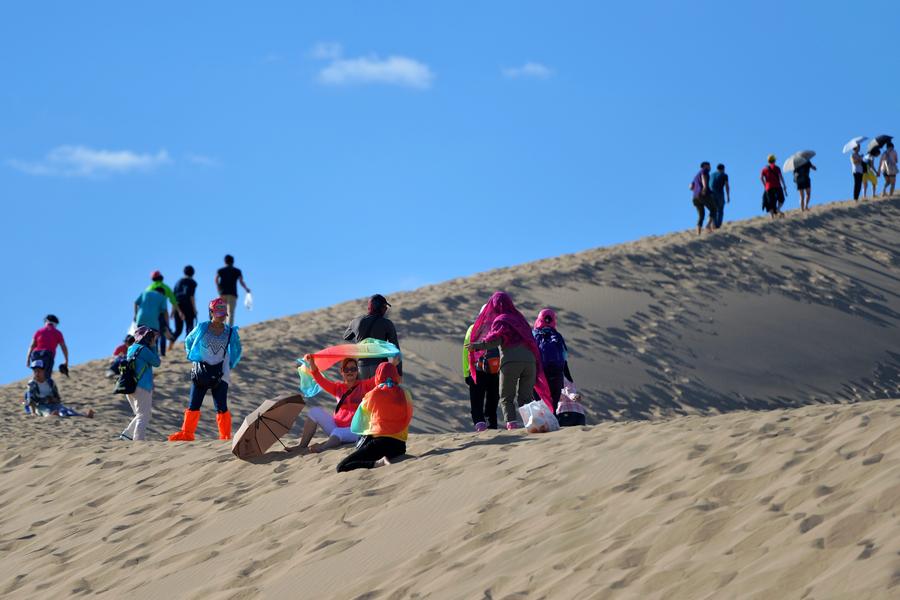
x=214, y=348
x=382, y=420
x=554, y=353
x=501, y=325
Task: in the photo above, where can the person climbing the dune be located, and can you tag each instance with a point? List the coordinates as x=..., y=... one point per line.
x=501, y=325
x=774, y=186
x=484, y=385
x=143, y=353
x=43, y=347
x=184, y=292
x=554, y=353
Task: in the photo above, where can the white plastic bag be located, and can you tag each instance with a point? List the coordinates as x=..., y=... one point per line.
x=248, y=301
x=538, y=418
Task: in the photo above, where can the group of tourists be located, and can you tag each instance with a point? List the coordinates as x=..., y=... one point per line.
x=865, y=173
x=711, y=190
x=41, y=393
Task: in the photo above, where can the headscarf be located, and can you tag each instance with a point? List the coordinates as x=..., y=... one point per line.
x=541, y=323
x=386, y=410
x=218, y=307
x=142, y=333
x=500, y=319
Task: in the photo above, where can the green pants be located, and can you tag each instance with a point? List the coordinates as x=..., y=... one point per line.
x=516, y=384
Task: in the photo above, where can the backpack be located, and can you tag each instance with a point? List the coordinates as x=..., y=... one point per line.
x=126, y=382
x=552, y=347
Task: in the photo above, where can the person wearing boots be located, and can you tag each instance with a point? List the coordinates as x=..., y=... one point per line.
x=214, y=348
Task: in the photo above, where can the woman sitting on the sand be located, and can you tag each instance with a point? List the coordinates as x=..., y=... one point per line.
x=382, y=420
x=501, y=325
x=336, y=424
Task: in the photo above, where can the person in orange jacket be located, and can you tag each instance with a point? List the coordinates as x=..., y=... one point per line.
x=215, y=349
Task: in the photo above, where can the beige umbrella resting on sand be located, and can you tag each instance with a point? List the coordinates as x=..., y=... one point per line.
x=265, y=426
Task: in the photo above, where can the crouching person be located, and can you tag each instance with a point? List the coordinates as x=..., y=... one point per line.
x=382, y=420
x=42, y=396
x=214, y=348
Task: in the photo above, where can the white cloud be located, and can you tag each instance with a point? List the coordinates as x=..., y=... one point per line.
x=530, y=69
x=203, y=161
x=393, y=70
x=327, y=51
x=81, y=161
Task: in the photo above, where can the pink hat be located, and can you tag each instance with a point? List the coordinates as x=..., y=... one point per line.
x=218, y=307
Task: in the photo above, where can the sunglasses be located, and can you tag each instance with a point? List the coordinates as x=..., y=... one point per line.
x=349, y=370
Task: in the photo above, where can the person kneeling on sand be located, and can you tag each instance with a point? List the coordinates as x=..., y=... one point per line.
x=42, y=396
x=382, y=420
x=336, y=424
x=215, y=349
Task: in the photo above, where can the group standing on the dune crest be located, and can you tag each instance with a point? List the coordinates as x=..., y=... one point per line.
x=711, y=190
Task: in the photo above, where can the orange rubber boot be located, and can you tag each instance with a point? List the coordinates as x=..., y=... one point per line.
x=223, y=420
x=191, y=418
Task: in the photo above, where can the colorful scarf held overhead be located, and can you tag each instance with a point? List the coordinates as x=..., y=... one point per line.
x=328, y=357
x=500, y=319
x=387, y=410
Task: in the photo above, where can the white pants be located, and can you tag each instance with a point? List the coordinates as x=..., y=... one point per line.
x=141, y=402
x=325, y=420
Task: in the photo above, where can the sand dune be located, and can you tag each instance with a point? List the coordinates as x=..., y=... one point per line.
x=661, y=499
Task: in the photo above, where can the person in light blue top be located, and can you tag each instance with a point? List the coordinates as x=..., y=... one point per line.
x=145, y=359
x=719, y=186
x=151, y=309
x=214, y=348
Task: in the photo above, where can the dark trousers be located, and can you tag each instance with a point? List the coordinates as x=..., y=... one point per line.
x=219, y=394
x=47, y=357
x=484, y=396
x=370, y=450
x=187, y=324
x=857, y=185
x=163, y=328
x=556, y=380
x=703, y=202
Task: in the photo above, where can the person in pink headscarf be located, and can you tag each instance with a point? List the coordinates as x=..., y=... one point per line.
x=501, y=325
x=554, y=353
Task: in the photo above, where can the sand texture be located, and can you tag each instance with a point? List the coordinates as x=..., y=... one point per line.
x=681, y=488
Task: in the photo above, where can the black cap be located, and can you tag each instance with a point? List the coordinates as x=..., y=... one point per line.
x=52, y=319
x=378, y=299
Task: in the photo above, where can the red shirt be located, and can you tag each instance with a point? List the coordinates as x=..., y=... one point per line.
x=120, y=350
x=344, y=414
x=772, y=175
x=48, y=337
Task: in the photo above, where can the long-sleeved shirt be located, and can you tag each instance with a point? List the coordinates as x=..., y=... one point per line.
x=344, y=413
x=372, y=326
x=145, y=359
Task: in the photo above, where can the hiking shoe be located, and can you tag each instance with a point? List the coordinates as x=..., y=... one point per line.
x=480, y=426
x=513, y=425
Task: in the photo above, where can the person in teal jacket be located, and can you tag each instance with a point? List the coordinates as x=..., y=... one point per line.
x=215, y=349
x=141, y=401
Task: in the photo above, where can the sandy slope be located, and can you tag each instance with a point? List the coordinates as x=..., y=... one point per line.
x=776, y=504
x=771, y=504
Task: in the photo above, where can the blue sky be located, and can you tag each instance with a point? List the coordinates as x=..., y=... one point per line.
x=342, y=148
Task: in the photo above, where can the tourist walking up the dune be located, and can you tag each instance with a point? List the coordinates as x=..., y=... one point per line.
x=335, y=423
x=774, y=186
x=382, y=420
x=151, y=311
x=43, y=347
x=554, y=353
x=484, y=386
x=703, y=198
x=870, y=174
x=157, y=284
x=143, y=353
x=888, y=168
x=804, y=183
x=501, y=325
x=227, y=280
x=42, y=397
x=374, y=324
x=215, y=349
x=721, y=191
x=858, y=167
x=187, y=306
